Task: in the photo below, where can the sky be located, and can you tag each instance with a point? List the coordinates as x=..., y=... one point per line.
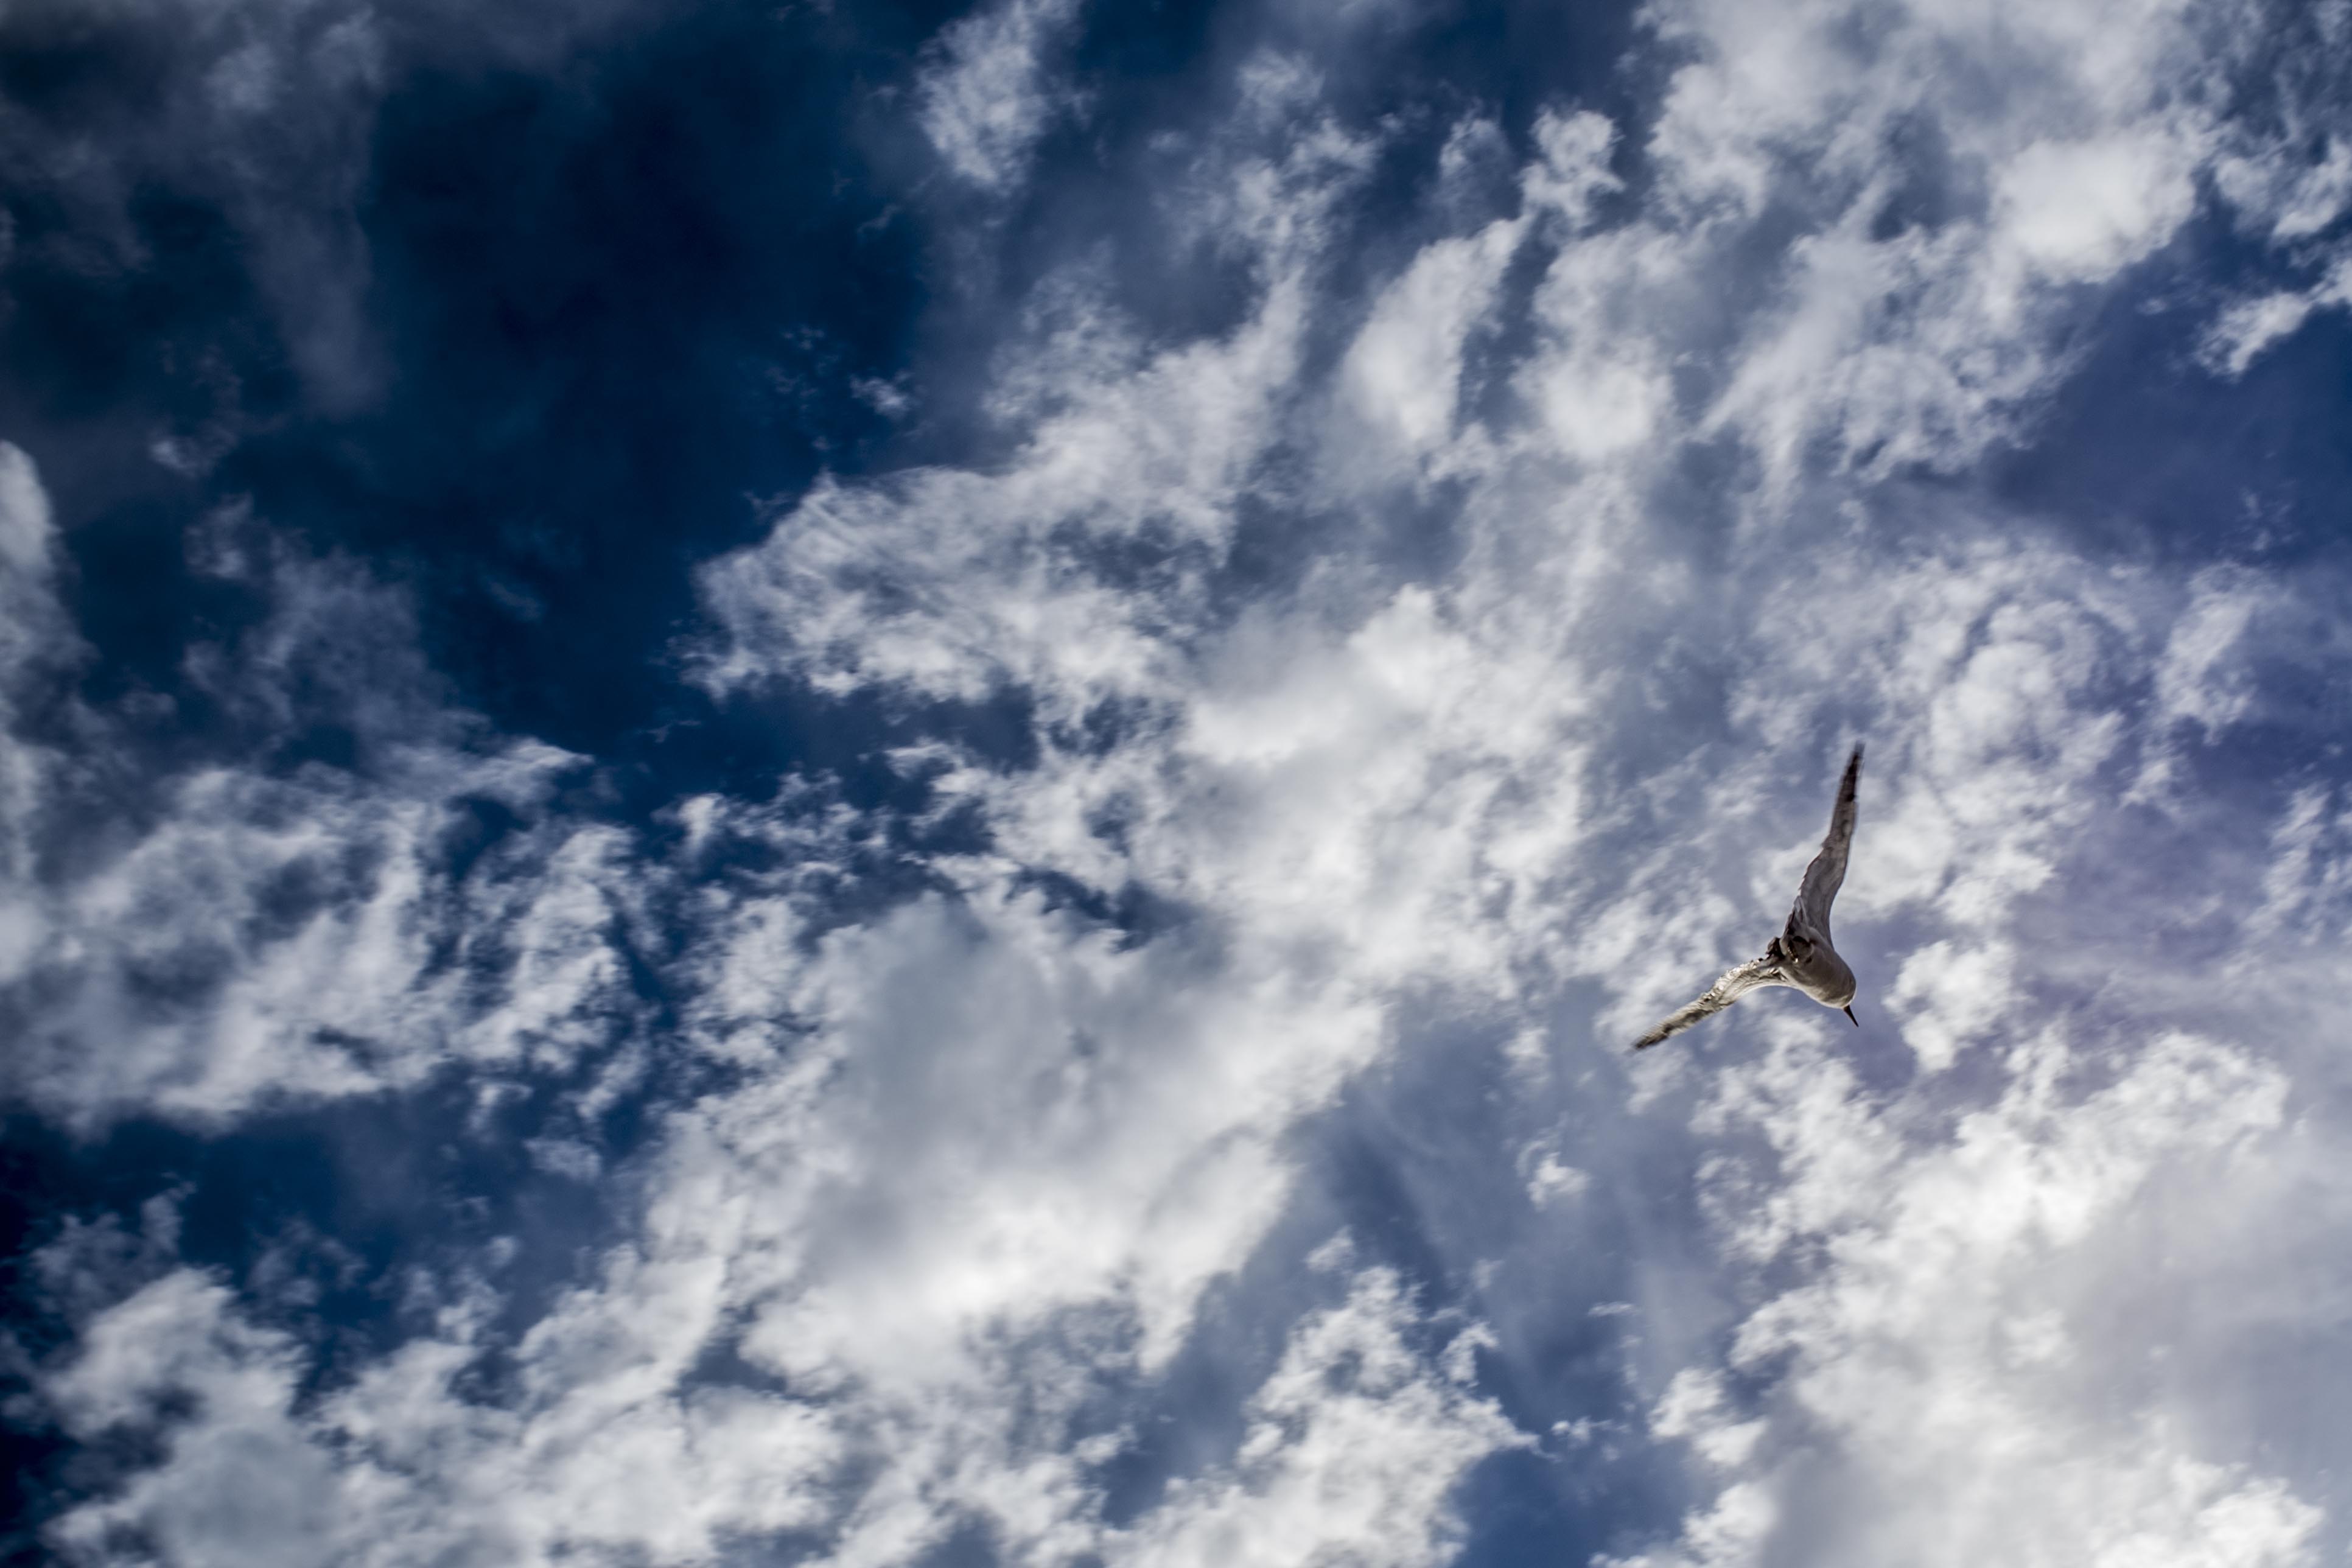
x=860, y=785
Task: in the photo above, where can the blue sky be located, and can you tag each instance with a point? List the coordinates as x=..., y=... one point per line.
x=857, y=785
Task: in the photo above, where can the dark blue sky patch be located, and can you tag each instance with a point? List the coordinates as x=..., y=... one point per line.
x=1519, y=1507
x=663, y=298
x=617, y=303
x=2147, y=455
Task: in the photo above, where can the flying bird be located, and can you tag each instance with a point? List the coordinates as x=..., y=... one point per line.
x=1801, y=955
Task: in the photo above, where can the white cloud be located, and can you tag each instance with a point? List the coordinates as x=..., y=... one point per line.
x=1921, y=292
x=2197, y=679
x=34, y=639
x=2079, y=211
x=1570, y=172
x=989, y=94
x=2237, y=630
x=1551, y=1182
x=952, y=583
x=1353, y=1447
x=280, y=940
x=26, y=531
x=1355, y=1444
x=2246, y=328
x=2286, y=176
x=1692, y=1407
x=398, y=1469
x=1943, y=1370
x=241, y=936
x=239, y=1482
x=1387, y=786
x=1402, y=374
x=1957, y=996
x=2296, y=200
x=2305, y=885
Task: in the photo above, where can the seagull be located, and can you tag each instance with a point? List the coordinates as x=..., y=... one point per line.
x=1801, y=955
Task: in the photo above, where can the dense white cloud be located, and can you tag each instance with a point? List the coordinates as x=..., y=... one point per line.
x=244, y=1486
x=1355, y=1439
x=1943, y=1376
x=978, y=1161
x=1404, y=373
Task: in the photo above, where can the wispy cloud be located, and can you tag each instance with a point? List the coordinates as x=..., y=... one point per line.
x=221, y=936
x=992, y=89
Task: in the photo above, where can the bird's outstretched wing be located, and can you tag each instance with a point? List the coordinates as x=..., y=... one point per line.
x=1756, y=972
x=1810, y=914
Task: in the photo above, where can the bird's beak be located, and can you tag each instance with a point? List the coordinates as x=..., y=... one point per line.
x=1850, y=1018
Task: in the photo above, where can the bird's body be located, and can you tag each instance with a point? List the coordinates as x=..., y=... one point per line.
x=1802, y=956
